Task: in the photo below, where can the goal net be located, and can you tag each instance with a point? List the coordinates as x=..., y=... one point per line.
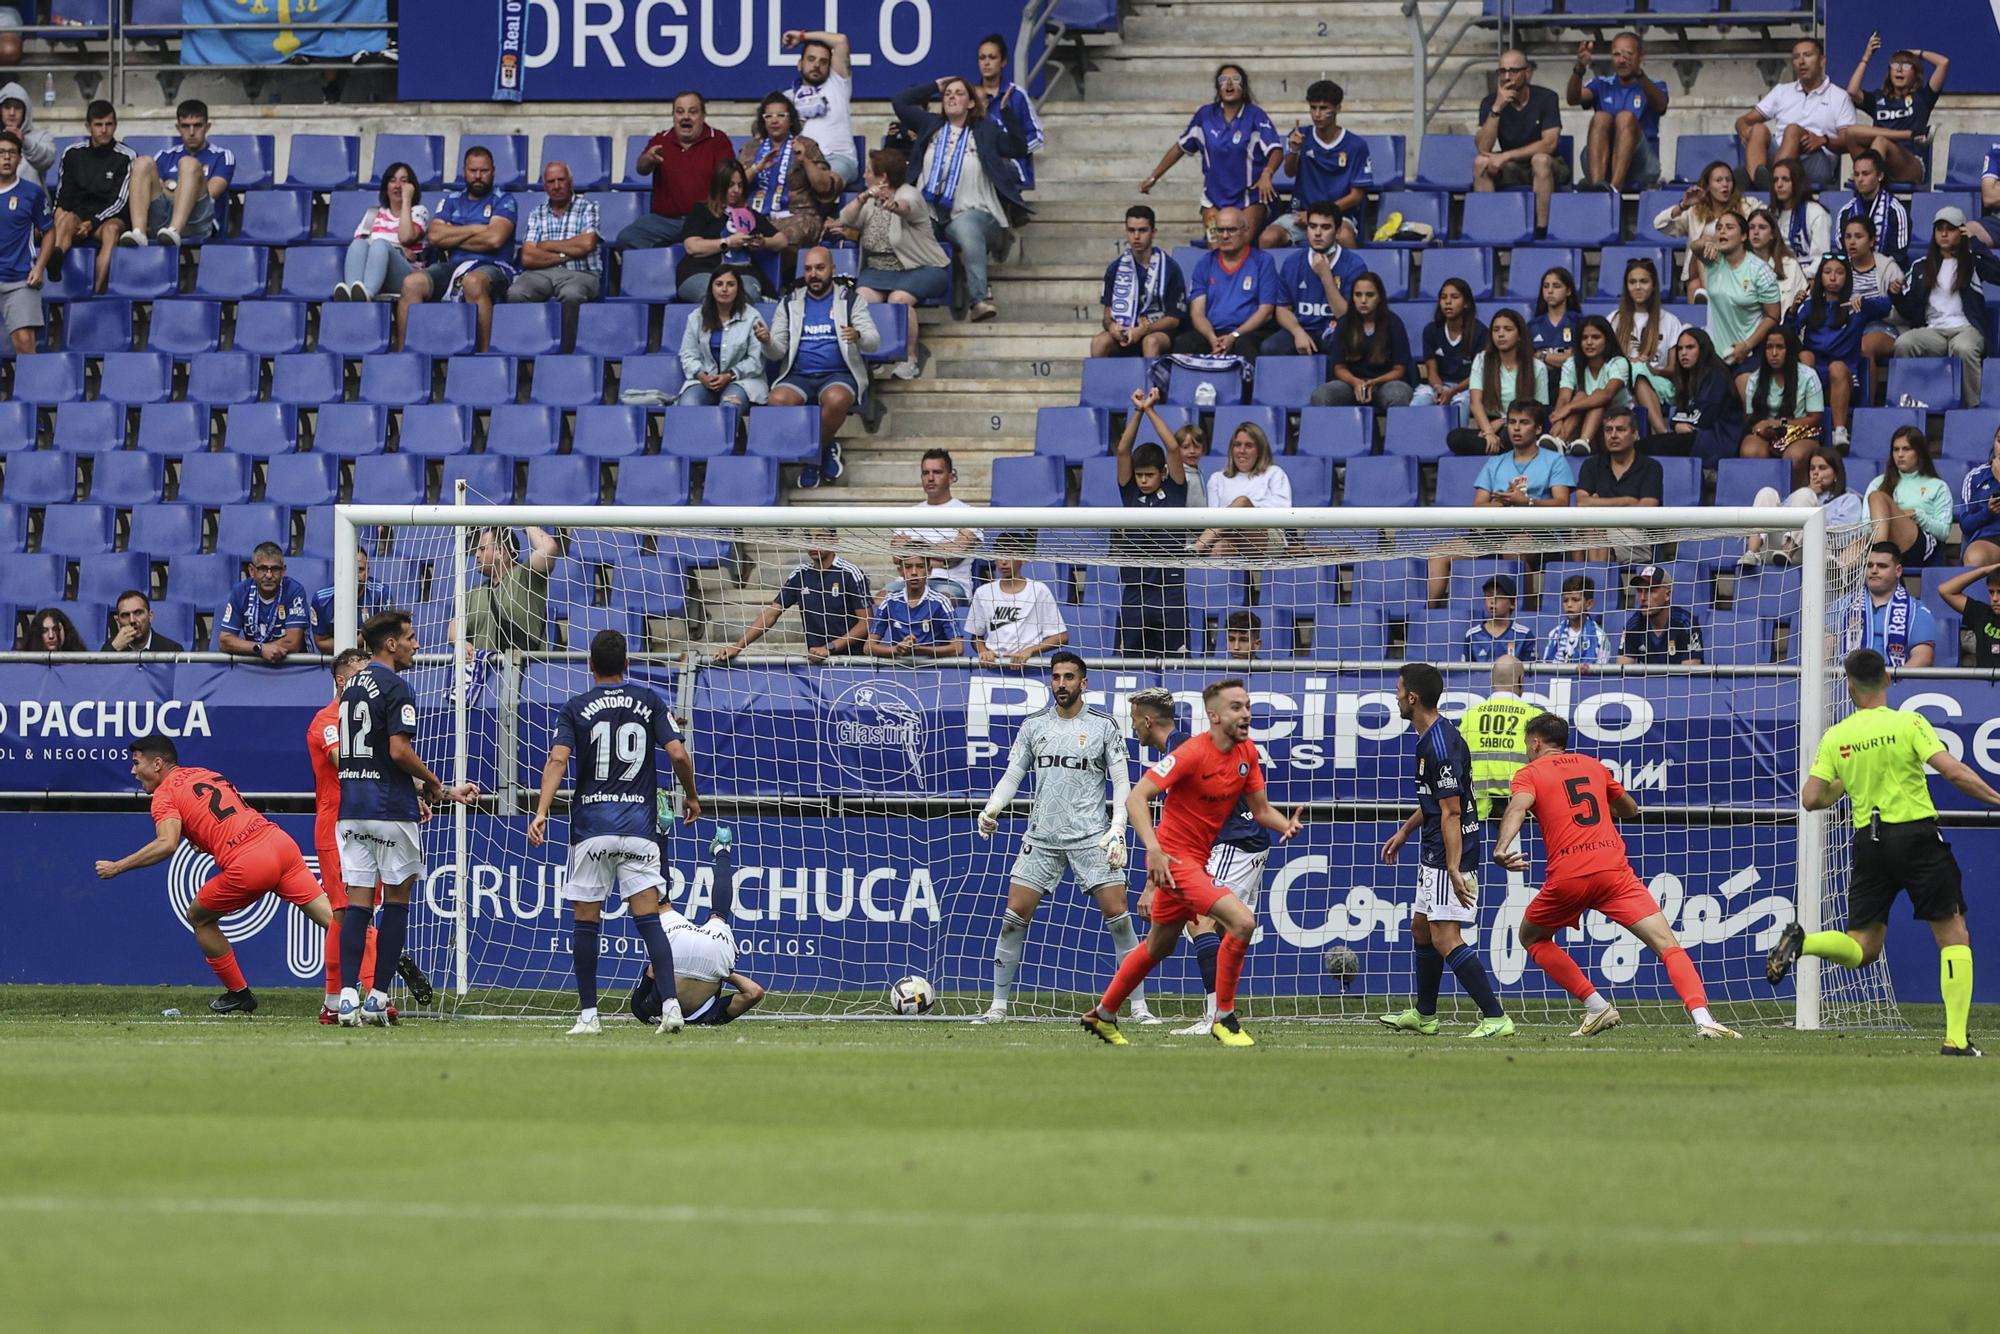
x=851, y=784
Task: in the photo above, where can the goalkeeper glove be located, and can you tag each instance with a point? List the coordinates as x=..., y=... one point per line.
x=1114, y=848
x=987, y=821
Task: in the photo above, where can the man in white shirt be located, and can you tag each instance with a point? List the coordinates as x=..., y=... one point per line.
x=822, y=94
x=949, y=548
x=1805, y=119
x=1014, y=618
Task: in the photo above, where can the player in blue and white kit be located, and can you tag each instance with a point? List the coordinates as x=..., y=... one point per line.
x=1240, y=151
x=1447, y=890
x=25, y=216
x=1328, y=165
x=380, y=811
x=612, y=729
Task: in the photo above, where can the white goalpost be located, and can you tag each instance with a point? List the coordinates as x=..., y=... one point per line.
x=851, y=784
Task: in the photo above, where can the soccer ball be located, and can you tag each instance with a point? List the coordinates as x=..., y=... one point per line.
x=1343, y=963
x=912, y=995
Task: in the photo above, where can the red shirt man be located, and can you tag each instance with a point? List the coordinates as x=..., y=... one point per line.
x=682, y=163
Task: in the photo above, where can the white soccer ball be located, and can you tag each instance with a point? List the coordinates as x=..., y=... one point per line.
x=912, y=995
x=1344, y=964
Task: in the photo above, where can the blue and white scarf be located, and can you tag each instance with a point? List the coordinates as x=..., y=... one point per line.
x=1132, y=299
x=454, y=288
x=1582, y=644
x=773, y=196
x=1796, y=235
x=1895, y=642
x=947, y=165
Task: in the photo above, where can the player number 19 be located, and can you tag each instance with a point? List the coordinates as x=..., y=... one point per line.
x=630, y=744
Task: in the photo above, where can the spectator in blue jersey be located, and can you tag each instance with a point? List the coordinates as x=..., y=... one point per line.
x=831, y=594
x=178, y=193
x=266, y=616
x=1874, y=201
x=559, y=248
x=1885, y=617
x=1452, y=339
x=1555, y=323
x=1978, y=511
x=1234, y=296
x=1145, y=297
x=818, y=336
x=1830, y=323
x=1315, y=281
x=916, y=623
x=370, y=596
x=965, y=168
x=1370, y=352
x=1009, y=103
x=1500, y=635
x=1901, y=111
x=1622, y=151
x=1239, y=149
x=25, y=216
x=1579, y=636
x=472, y=232
x=1659, y=633
x=1520, y=125
x=1987, y=229
x=1328, y=165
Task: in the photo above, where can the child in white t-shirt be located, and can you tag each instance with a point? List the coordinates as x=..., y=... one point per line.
x=1014, y=618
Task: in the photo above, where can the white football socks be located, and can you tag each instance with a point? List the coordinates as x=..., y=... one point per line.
x=1595, y=1003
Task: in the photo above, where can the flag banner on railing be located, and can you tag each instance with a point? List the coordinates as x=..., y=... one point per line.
x=275, y=40
x=508, y=74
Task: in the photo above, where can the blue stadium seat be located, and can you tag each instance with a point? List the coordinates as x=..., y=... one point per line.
x=1069, y=434
x=133, y=378
x=1693, y=153
x=1336, y=433
x=1589, y=218
x=612, y=330
x=563, y=479
x=17, y=427
x=1183, y=383
x=173, y=429
x=184, y=328
x=166, y=530
x=1032, y=481
x=307, y=379
x=742, y=481
x=1500, y=218
x=350, y=430
x=214, y=480
x=567, y=380
x=1968, y=434
x=13, y=534
x=89, y=428
x=480, y=382
x=1737, y=481
x=1302, y=591
x=1930, y=381
x=1425, y=206
x=1385, y=162
x=176, y=620
x=275, y=217
x=628, y=176
x=1287, y=382
x=221, y=378
x=1611, y=262
x=486, y=477
x=1394, y=584
x=1110, y=382
x=648, y=275
x=1651, y=202
x=353, y=328
x=1736, y=639
x=1312, y=481
x=617, y=210
x=49, y=377
x=582, y=623
x=1473, y=264
x=232, y=272
x=1433, y=634
x=510, y=159
x=441, y=329
x=239, y=528
x=435, y=430
x=656, y=370
x=615, y=431
x=104, y=576
x=588, y=157
x=1175, y=415
x=524, y=430
x=1872, y=428
x=1470, y=573
x=324, y=162
x=1100, y=484
x=1457, y=479
x=1379, y=481
x=37, y=579
x=1681, y=481
x=254, y=155
x=673, y=324
x=1357, y=634
x=654, y=585
x=424, y=153
x=145, y=273
x=97, y=327
x=655, y=479
x=311, y=273
x=301, y=480
x=396, y=379
x=1444, y=162
x=530, y=329
x=344, y=211
x=893, y=323
x=270, y=328
x=390, y=479
x=206, y=578
x=1989, y=389
x=84, y=530
x=1417, y=432
x=698, y=433
x=787, y=434
x=261, y=430
x=1528, y=263
x=1271, y=421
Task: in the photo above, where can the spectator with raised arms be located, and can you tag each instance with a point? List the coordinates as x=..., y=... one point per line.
x=1622, y=151
x=821, y=96
x=1901, y=133
x=1010, y=103
x=967, y=174
x=1239, y=149
x=1706, y=202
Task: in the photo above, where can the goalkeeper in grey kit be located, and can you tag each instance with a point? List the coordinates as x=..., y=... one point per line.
x=1073, y=750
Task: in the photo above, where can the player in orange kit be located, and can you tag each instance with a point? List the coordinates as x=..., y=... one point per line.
x=1203, y=779
x=253, y=857
x=1575, y=798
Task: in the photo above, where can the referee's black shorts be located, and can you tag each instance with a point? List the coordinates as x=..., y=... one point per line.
x=1891, y=858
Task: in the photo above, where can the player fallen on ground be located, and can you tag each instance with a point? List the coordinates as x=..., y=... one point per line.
x=1202, y=780
x=1876, y=756
x=1072, y=749
x=1447, y=890
x=253, y=857
x=1576, y=800
x=1236, y=864
x=612, y=729
x=381, y=775
x=704, y=958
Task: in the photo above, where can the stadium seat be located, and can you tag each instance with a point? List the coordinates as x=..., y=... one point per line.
x=1433, y=634
x=173, y=429
x=1271, y=421
x=892, y=322
x=1651, y=204
x=1528, y=264
x=588, y=157
x=396, y=379
x=324, y=162
x=37, y=580
x=1336, y=432
x=510, y=160
x=1444, y=162
x=1693, y=153
x=1736, y=639
x=311, y=273
x=390, y=479
x=222, y=378
x=480, y=382
x=183, y=328
x=1356, y=634
x=1737, y=481
x=648, y=275
x=657, y=371
x=350, y=430
x=1110, y=382
x=616, y=210
x=1872, y=428
x=270, y=328
x=1499, y=218
x=628, y=176
x=1312, y=481
x=1457, y=479
x=744, y=481
x=232, y=272
x=1069, y=434
x=132, y=378
x=239, y=528
x=612, y=330
x=145, y=273
x=84, y=530
x=89, y=428
x=1611, y=262
x=652, y=480
x=214, y=480
x=674, y=317
x=307, y=379
x=1425, y=206
x=1473, y=264
x=567, y=380
x=583, y=622
x=1418, y=432
x=273, y=218
x=166, y=530
x=435, y=430
x=652, y=585
x=1469, y=575
x=530, y=329
x=1375, y=482
x=96, y=327
x=1968, y=434
x=787, y=434
x=1929, y=382
x=353, y=328
x=1174, y=415
x=423, y=153
x=1302, y=591
x=563, y=479
x=255, y=154
x=486, y=477
x=17, y=427
x=301, y=480
x=1183, y=385
x=524, y=430
x=106, y=575
x=49, y=377
x=616, y=431
x=1287, y=382
x=1680, y=481
x=698, y=433
x=1588, y=218
x=205, y=578
x=1031, y=481
x=1965, y=159
x=1385, y=162
x=442, y=329
x=261, y=430
x=13, y=534
x=345, y=210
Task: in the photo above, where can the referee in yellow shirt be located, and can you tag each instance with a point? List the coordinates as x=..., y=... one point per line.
x=1496, y=731
x=1877, y=756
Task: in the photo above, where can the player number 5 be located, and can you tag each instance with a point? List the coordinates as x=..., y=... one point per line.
x=1581, y=798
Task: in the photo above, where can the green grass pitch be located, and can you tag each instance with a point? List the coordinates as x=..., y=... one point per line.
x=270, y=1174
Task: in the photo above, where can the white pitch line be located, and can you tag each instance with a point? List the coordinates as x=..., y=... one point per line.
x=647, y=1215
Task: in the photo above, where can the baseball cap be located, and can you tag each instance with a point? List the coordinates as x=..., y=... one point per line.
x=1648, y=575
x=1502, y=585
x=1950, y=217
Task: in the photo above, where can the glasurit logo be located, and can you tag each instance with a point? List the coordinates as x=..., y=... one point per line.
x=877, y=731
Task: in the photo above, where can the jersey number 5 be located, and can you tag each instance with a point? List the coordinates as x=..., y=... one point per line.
x=629, y=742
x=355, y=722
x=1582, y=799
x=214, y=795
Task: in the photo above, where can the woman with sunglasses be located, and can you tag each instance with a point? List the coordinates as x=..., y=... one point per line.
x=1240, y=150
x=1830, y=323
x=1901, y=111
x=1646, y=332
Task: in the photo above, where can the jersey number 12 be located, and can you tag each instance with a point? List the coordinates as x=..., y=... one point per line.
x=629, y=742
x=355, y=722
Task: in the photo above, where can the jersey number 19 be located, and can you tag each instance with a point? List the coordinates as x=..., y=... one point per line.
x=629, y=743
